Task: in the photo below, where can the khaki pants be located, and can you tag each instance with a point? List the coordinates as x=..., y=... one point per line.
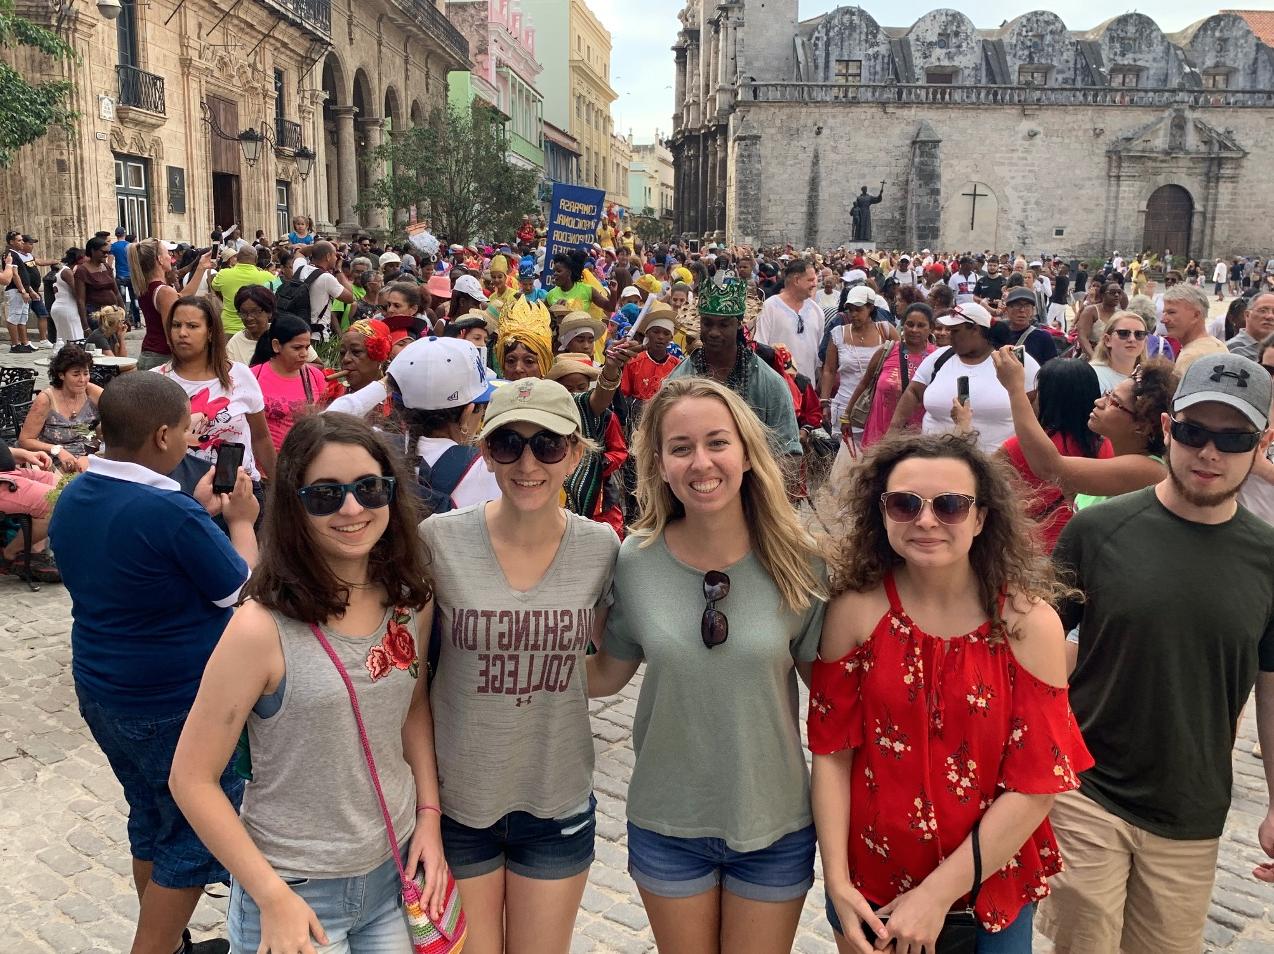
x=1124, y=889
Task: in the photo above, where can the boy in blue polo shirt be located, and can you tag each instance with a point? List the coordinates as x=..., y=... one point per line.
x=143, y=632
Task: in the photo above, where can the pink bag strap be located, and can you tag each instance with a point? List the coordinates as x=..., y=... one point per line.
x=367, y=754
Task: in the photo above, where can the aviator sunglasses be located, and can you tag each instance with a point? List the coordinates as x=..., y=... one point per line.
x=506, y=446
x=903, y=506
x=1126, y=333
x=714, y=627
x=1226, y=442
x=323, y=500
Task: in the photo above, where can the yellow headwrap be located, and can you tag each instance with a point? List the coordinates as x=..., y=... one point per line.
x=533, y=336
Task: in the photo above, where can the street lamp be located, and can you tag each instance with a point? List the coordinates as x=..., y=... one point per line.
x=304, y=157
x=250, y=141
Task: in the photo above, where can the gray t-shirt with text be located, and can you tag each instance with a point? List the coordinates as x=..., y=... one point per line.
x=510, y=699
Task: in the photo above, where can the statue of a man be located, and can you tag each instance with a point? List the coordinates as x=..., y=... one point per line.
x=860, y=214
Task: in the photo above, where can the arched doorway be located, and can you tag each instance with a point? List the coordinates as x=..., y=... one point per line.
x=1169, y=213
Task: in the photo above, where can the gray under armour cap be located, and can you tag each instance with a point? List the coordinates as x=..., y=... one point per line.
x=1226, y=379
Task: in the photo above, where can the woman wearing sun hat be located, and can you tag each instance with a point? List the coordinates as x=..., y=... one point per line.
x=512, y=735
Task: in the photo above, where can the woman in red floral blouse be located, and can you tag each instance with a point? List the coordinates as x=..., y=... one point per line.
x=939, y=699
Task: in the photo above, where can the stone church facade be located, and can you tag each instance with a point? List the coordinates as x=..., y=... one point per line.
x=1030, y=136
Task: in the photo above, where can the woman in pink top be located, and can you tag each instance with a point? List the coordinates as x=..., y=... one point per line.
x=289, y=384
x=917, y=324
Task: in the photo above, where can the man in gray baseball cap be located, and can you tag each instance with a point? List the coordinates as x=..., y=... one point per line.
x=1175, y=627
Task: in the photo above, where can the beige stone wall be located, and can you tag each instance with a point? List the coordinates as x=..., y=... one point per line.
x=795, y=169
x=62, y=188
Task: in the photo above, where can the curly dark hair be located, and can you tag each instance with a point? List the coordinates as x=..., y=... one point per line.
x=288, y=578
x=1006, y=556
x=1153, y=385
x=70, y=356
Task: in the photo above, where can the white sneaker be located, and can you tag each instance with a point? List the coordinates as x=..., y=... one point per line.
x=44, y=343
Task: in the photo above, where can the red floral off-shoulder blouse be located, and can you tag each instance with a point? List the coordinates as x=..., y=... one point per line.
x=940, y=726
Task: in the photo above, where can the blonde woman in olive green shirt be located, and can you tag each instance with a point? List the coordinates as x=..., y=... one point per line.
x=720, y=591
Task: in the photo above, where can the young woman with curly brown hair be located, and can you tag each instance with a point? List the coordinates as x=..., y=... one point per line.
x=938, y=718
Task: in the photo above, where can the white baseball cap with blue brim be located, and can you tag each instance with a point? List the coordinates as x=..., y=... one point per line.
x=436, y=373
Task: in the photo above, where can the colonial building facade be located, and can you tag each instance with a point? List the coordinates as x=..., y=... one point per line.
x=503, y=73
x=172, y=96
x=1029, y=136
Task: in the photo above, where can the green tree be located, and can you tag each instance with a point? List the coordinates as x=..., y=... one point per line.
x=455, y=170
x=649, y=228
x=29, y=109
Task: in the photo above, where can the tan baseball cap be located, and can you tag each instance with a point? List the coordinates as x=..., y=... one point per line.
x=535, y=401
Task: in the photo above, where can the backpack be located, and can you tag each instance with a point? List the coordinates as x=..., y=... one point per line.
x=436, y=484
x=293, y=297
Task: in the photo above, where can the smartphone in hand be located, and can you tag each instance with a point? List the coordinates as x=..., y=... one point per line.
x=962, y=389
x=226, y=469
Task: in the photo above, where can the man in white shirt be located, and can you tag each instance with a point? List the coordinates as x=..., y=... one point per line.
x=329, y=286
x=828, y=294
x=1117, y=262
x=1220, y=276
x=903, y=274
x=963, y=281
x=793, y=318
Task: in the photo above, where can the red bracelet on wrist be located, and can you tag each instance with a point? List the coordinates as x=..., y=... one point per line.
x=429, y=808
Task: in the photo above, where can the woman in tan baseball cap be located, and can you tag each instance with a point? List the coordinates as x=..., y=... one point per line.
x=511, y=722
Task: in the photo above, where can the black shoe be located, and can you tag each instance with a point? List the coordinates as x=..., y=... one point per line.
x=27, y=349
x=215, y=945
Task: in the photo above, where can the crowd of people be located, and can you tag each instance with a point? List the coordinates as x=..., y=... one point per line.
x=411, y=506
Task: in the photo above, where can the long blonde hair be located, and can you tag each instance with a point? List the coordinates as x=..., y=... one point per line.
x=143, y=260
x=1101, y=353
x=785, y=548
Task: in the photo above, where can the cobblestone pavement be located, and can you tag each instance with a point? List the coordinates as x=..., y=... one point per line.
x=64, y=867
x=65, y=883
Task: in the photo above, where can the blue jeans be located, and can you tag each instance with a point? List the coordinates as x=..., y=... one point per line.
x=547, y=849
x=1014, y=939
x=139, y=748
x=684, y=867
x=361, y=915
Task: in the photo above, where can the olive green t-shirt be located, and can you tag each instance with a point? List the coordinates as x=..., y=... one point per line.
x=1176, y=620
x=717, y=732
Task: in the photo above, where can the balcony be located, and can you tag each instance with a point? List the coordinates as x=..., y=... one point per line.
x=313, y=16
x=429, y=20
x=289, y=135
x=140, y=90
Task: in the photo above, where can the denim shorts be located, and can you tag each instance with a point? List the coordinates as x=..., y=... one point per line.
x=547, y=849
x=1014, y=939
x=139, y=748
x=361, y=914
x=673, y=867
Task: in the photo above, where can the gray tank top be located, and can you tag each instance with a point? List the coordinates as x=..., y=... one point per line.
x=310, y=807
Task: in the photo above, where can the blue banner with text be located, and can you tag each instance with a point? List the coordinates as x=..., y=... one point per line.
x=574, y=212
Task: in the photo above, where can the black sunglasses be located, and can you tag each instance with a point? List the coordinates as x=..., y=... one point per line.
x=323, y=500
x=904, y=506
x=714, y=627
x=506, y=446
x=1226, y=442
x=1126, y=333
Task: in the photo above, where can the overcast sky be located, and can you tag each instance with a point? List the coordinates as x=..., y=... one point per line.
x=642, y=34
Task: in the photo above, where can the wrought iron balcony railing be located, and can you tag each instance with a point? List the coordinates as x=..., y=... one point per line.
x=140, y=89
